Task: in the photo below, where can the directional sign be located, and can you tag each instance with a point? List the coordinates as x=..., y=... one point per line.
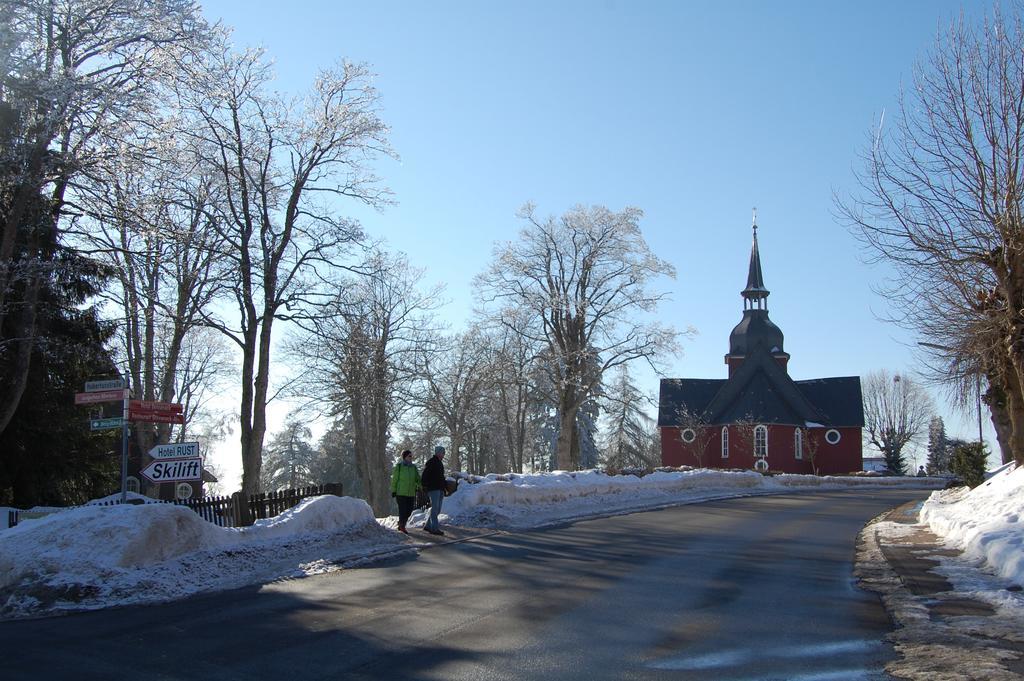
x=155, y=416
x=104, y=424
x=174, y=470
x=175, y=451
x=150, y=405
x=101, y=396
x=97, y=386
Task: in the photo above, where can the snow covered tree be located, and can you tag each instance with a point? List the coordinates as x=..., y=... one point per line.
x=453, y=374
x=938, y=456
x=73, y=73
x=584, y=278
x=360, y=355
x=513, y=360
x=280, y=163
x=335, y=458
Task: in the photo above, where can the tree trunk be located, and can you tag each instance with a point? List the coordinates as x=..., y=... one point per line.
x=566, y=427
x=995, y=398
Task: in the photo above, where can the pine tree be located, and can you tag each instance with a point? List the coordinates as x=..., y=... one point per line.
x=628, y=438
x=938, y=452
x=48, y=455
x=288, y=458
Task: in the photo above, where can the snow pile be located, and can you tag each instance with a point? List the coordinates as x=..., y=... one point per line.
x=521, y=501
x=986, y=522
x=97, y=556
x=316, y=514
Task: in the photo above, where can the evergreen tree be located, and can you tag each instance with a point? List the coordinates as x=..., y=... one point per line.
x=968, y=463
x=628, y=438
x=335, y=458
x=48, y=455
x=938, y=457
x=288, y=458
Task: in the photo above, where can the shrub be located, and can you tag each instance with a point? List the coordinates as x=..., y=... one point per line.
x=968, y=463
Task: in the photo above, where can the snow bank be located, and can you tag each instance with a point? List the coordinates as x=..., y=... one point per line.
x=986, y=522
x=89, y=542
x=316, y=514
x=515, y=500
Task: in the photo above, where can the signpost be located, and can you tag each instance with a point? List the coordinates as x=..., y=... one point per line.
x=155, y=412
x=179, y=450
x=110, y=390
x=174, y=470
x=97, y=386
x=173, y=463
x=106, y=424
x=100, y=396
x=155, y=417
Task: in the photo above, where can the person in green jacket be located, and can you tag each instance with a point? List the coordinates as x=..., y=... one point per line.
x=405, y=480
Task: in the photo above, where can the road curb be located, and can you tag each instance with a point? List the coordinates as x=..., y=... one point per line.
x=938, y=633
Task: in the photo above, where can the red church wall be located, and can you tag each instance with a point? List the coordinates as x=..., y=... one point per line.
x=706, y=451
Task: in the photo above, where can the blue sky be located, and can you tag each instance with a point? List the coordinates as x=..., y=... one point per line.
x=694, y=112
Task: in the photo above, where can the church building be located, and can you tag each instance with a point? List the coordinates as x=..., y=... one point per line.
x=759, y=418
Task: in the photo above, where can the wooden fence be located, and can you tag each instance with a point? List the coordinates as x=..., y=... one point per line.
x=235, y=510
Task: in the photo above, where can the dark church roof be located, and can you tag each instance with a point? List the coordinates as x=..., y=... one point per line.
x=837, y=402
x=828, y=402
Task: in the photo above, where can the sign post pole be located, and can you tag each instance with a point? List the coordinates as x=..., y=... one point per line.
x=124, y=452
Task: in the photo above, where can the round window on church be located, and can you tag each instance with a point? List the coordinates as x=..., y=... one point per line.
x=183, y=491
x=689, y=436
x=832, y=437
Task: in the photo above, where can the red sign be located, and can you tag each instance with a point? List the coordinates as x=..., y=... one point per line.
x=101, y=396
x=149, y=405
x=155, y=416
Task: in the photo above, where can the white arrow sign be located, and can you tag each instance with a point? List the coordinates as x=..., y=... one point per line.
x=174, y=470
x=175, y=451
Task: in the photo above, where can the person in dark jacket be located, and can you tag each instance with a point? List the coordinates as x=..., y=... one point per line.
x=405, y=480
x=433, y=481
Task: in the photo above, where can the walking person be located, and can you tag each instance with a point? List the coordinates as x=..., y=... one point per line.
x=405, y=480
x=433, y=481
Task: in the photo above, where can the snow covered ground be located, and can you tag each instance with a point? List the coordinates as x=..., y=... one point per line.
x=986, y=523
x=972, y=628
x=100, y=556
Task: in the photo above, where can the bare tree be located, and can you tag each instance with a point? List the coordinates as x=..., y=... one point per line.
x=513, y=358
x=454, y=373
x=941, y=201
x=359, y=359
x=584, y=277
x=896, y=411
x=150, y=216
x=280, y=164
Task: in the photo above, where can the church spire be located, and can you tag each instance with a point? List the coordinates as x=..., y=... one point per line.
x=755, y=293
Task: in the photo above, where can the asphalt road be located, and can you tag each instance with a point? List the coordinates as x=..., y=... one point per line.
x=756, y=588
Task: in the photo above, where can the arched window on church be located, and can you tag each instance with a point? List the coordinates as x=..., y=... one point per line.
x=761, y=442
x=798, y=443
x=725, y=442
